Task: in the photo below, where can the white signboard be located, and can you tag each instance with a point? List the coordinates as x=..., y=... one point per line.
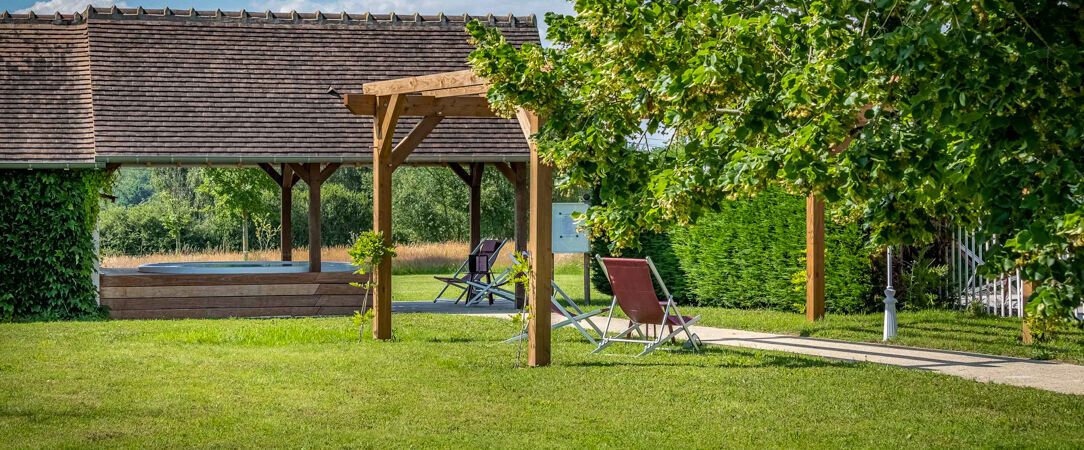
x=567, y=237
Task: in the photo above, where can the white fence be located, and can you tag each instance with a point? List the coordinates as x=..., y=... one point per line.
x=1003, y=295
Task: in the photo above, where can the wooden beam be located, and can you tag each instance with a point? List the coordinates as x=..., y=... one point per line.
x=507, y=171
x=814, y=258
x=385, y=119
x=274, y=174
x=111, y=167
x=286, y=221
x=328, y=171
x=522, y=203
x=539, y=245
x=413, y=139
x=302, y=171
x=460, y=172
x=476, y=170
x=424, y=105
x=315, y=221
x=479, y=89
x=420, y=83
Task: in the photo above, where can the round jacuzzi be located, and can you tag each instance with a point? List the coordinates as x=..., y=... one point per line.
x=242, y=267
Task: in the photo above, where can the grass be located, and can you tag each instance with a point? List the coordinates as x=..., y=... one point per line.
x=425, y=258
x=946, y=330
x=445, y=381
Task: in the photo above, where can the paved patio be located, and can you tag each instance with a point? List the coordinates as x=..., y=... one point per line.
x=1046, y=375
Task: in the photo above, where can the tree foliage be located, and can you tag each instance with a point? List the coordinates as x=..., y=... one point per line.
x=902, y=115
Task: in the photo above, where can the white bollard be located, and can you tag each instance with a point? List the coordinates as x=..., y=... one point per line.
x=890, y=303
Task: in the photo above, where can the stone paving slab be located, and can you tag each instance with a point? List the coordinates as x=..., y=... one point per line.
x=1046, y=375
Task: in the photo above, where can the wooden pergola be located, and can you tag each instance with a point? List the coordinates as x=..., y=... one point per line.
x=434, y=97
x=462, y=94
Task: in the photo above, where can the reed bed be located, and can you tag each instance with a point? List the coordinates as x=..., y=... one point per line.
x=438, y=257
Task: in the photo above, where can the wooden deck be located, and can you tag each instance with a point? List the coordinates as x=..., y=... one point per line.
x=130, y=294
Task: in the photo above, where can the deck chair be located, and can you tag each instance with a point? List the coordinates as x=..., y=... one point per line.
x=635, y=295
x=574, y=316
x=476, y=269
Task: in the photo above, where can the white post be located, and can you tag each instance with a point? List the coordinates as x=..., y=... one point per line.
x=890, y=303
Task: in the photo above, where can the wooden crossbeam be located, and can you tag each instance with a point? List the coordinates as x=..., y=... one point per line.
x=272, y=172
x=301, y=171
x=508, y=171
x=423, y=105
x=413, y=139
x=454, y=92
x=462, y=78
x=460, y=172
x=328, y=171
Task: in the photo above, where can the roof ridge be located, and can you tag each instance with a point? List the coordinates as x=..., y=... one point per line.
x=291, y=17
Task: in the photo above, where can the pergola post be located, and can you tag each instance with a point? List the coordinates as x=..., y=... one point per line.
x=385, y=118
x=539, y=245
x=814, y=258
x=315, y=184
x=285, y=213
x=476, y=170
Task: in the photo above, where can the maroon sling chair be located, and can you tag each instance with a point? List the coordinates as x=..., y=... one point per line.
x=635, y=295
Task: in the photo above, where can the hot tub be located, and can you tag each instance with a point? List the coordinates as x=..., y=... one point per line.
x=242, y=267
x=232, y=289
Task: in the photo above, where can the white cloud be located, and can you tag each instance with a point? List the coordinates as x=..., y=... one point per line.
x=62, y=6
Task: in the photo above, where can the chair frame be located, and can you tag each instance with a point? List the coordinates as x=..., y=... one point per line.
x=572, y=317
x=650, y=345
x=461, y=281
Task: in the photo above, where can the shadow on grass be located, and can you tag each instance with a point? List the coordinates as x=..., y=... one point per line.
x=713, y=357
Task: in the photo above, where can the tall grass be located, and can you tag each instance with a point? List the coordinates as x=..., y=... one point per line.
x=429, y=258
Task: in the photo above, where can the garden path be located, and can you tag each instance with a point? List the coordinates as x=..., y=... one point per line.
x=1046, y=375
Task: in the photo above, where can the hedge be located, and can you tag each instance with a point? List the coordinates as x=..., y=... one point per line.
x=751, y=254
x=47, y=254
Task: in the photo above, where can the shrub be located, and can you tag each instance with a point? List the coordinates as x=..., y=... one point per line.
x=751, y=254
x=47, y=256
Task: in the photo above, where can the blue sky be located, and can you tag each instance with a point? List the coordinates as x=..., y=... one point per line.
x=450, y=7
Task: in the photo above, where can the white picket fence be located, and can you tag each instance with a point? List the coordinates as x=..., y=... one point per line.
x=1003, y=295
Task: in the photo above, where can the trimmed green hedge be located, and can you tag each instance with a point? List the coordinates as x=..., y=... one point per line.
x=751, y=254
x=47, y=220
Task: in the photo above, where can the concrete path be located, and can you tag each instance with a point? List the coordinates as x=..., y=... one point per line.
x=1046, y=375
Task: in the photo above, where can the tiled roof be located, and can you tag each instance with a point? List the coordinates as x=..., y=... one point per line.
x=227, y=86
x=45, y=101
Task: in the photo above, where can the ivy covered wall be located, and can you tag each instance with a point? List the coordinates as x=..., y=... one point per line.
x=47, y=220
x=751, y=254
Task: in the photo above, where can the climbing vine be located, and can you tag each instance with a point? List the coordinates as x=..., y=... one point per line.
x=47, y=220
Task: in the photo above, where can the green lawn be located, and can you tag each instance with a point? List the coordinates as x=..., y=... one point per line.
x=446, y=381
x=946, y=330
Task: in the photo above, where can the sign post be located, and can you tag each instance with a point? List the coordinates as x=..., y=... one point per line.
x=569, y=238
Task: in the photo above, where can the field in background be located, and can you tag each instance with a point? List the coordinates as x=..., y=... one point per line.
x=443, y=257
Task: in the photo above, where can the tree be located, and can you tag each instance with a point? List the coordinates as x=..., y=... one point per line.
x=237, y=194
x=901, y=115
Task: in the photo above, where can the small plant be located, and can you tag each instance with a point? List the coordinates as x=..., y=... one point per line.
x=368, y=250
x=521, y=267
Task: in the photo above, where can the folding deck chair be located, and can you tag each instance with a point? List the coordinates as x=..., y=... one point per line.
x=474, y=271
x=573, y=316
x=633, y=292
